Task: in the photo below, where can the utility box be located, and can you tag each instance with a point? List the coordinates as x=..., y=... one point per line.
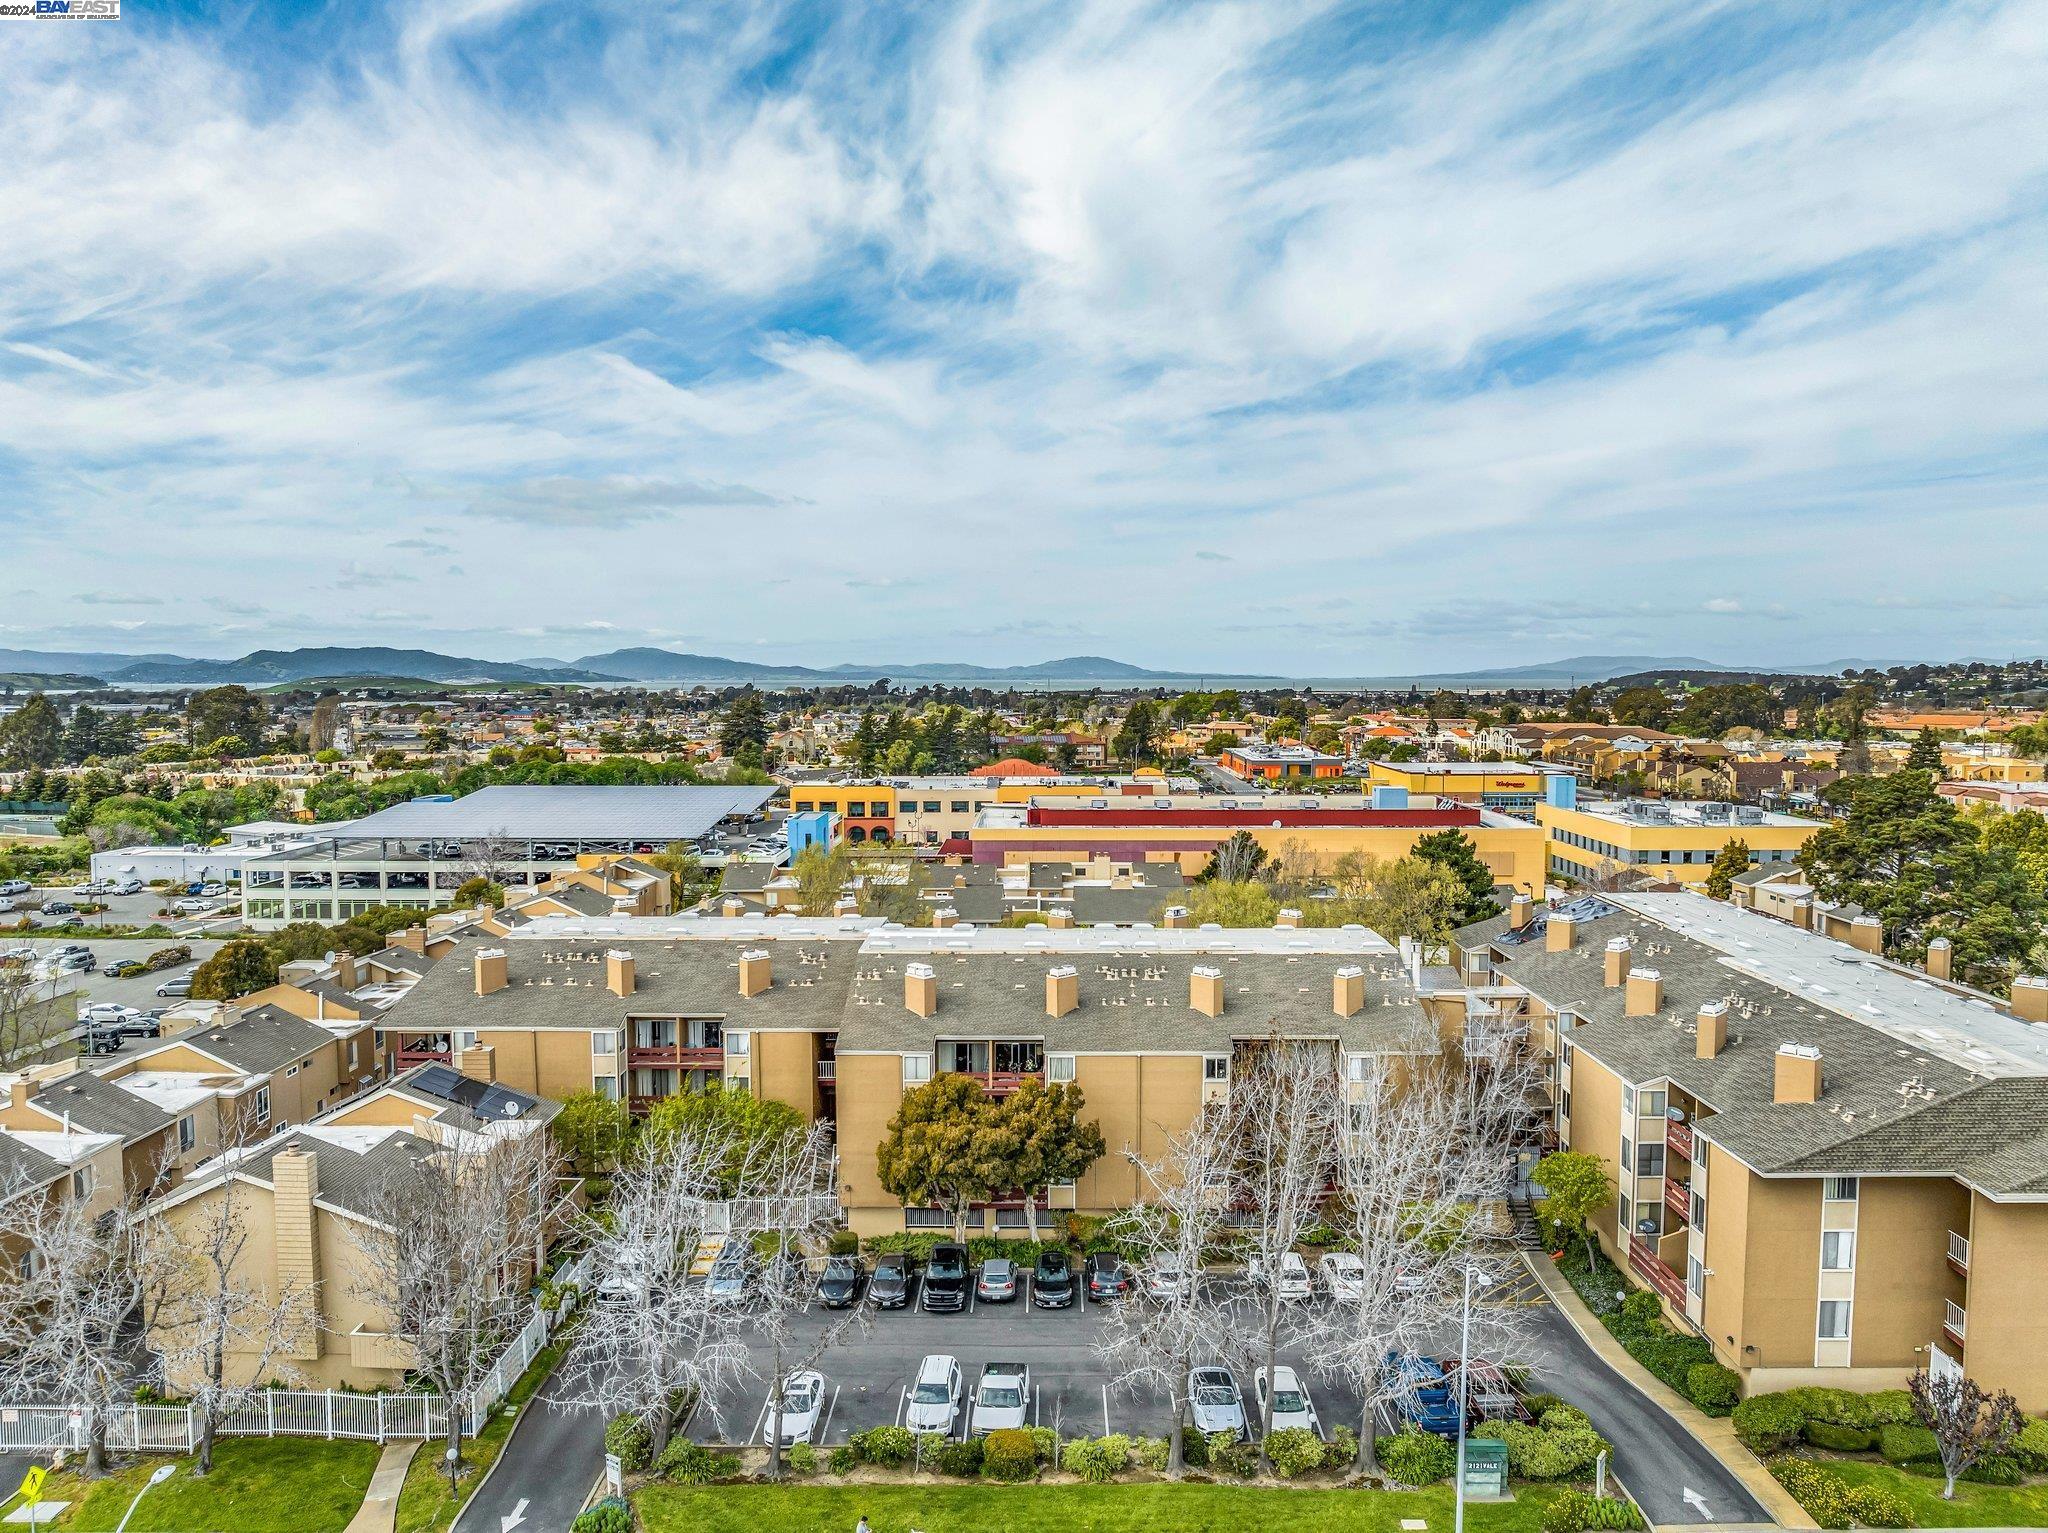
x=1486, y=1467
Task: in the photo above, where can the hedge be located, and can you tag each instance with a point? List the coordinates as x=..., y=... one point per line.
x=1910, y=1444
x=1545, y=1452
x=1577, y=1511
x=629, y=1438
x=1010, y=1453
x=957, y=1458
x=885, y=1447
x=1096, y=1459
x=1839, y=1439
x=1414, y=1457
x=1768, y=1423
x=1712, y=1387
x=2031, y=1446
x=1294, y=1451
x=689, y=1463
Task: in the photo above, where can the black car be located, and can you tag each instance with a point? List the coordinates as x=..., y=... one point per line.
x=890, y=1286
x=1108, y=1278
x=144, y=1024
x=1052, y=1281
x=839, y=1283
x=945, y=1279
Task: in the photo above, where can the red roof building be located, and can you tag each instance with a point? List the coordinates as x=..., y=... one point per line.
x=1014, y=766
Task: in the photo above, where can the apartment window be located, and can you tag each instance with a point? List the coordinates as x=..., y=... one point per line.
x=1649, y=1160
x=188, y=1133
x=1059, y=1067
x=1698, y=1215
x=917, y=1069
x=1628, y=1156
x=1837, y=1250
x=1695, y=1274
x=931, y=806
x=738, y=1043
x=352, y=1044
x=28, y=1264
x=1651, y=1103
x=856, y=811
x=82, y=1183
x=1628, y=1101
x=605, y=1042
x=1011, y=1219
x=262, y=1104
x=607, y=1087
x=960, y=806
x=1834, y=1320
x=925, y=1219
x=802, y=806
x=1650, y=1219
x=1216, y=1067
x=1838, y=1189
x=290, y=1071
x=464, y=1038
x=1358, y=1065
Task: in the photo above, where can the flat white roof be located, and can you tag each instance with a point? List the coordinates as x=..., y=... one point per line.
x=1692, y=813
x=563, y=812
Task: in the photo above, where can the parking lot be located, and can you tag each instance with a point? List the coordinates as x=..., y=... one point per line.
x=138, y=990
x=127, y=910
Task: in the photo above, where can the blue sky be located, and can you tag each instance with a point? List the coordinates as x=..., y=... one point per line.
x=1333, y=339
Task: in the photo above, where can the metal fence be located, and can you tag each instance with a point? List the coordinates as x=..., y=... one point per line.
x=290, y=1412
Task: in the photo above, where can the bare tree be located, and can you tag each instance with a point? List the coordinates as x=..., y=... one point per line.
x=1969, y=1423
x=1177, y=1219
x=652, y=1338
x=66, y=1316
x=30, y=1014
x=447, y=1254
x=1282, y=1124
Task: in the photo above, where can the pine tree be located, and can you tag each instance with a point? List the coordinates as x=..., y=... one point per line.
x=1730, y=863
x=1453, y=851
x=1925, y=756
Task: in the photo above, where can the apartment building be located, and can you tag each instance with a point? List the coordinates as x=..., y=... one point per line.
x=1517, y=786
x=1663, y=840
x=1832, y=1167
x=419, y=853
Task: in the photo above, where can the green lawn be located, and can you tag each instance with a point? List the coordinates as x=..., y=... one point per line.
x=258, y=1485
x=1975, y=1506
x=424, y=1505
x=1150, y=1508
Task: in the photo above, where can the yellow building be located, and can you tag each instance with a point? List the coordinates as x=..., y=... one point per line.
x=1490, y=784
x=1663, y=840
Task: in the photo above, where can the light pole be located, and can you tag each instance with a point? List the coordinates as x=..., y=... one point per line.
x=1464, y=1367
x=162, y=1473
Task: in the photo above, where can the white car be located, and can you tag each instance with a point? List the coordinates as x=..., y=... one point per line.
x=1003, y=1398
x=1292, y=1281
x=16, y=886
x=7, y=904
x=87, y=891
x=103, y=1013
x=1291, y=1406
x=935, y=1396
x=212, y=891
x=1343, y=1275
x=129, y=886
x=803, y=1401
x=194, y=907
x=1215, y=1403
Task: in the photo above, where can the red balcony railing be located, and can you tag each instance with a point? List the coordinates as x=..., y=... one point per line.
x=670, y=1056
x=1678, y=1137
x=1678, y=1198
x=405, y=1058
x=1000, y=1083
x=1642, y=1256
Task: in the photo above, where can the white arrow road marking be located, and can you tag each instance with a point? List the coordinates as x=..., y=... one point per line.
x=507, y=1524
x=1695, y=1500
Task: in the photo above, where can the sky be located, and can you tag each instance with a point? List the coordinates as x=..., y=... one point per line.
x=1312, y=338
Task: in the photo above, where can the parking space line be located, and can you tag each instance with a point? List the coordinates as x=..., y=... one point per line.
x=761, y=1421
x=1105, y=1410
x=901, y=1391
x=831, y=1405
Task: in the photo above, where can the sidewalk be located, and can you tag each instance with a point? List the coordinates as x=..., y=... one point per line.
x=1715, y=1433
x=379, y=1511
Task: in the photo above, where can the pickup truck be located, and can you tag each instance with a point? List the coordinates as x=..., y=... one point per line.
x=1003, y=1397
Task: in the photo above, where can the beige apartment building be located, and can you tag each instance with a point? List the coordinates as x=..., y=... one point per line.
x=1832, y=1167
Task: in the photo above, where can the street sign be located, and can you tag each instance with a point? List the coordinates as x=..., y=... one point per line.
x=614, y=1474
x=32, y=1484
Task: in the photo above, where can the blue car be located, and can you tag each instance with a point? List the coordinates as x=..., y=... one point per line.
x=1422, y=1393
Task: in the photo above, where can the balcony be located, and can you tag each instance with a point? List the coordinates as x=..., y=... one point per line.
x=1953, y=1320
x=1959, y=1254
x=1678, y=1198
x=382, y=1350
x=828, y=1070
x=670, y=1056
x=1678, y=1137
x=1000, y=1083
x=421, y=1051
x=1642, y=1257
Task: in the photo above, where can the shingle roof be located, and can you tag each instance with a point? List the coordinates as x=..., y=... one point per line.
x=22, y=1168
x=100, y=1105
x=266, y=1038
x=348, y=1178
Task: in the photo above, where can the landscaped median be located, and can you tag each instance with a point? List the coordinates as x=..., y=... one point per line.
x=258, y=1485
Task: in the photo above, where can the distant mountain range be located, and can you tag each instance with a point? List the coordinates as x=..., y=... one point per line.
x=273, y=667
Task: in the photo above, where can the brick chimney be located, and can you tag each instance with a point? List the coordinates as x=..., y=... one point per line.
x=346, y=974
x=1711, y=1035
x=618, y=972
x=1176, y=917
x=2030, y=998
x=1559, y=933
x=490, y=970
x=1797, y=1074
x=1520, y=909
x=479, y=1062
x=1619, y=951
x=1288, y=917
x=1347, y=991
x=1644, y=994
x=1941, y=959
x=295, y=1182
x=413, y=939
x=1062, y=989
x=944, y=916
x=921, y=989
x=757, y=971
x=1205, y=990
x=1060, y=917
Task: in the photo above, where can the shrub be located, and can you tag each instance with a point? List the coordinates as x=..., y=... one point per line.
x=1194, y=1449
x=1837, y=1407
x=1417, y=1458
x=1769, y=1423
x=1888, y=1408
x=1840, y=1439
x=1560, y=1416
x=1823, y=1494
x=842, y=1243
x=1544, y=1452
x=1096, y=1459
x=1539, y=1402
x=689, y=1463
x=885, y=1447
x=1045, y=1443
x=1999, y=1469
x=1152, y=1452
x=1294, y=1451
x=1009, y=1454
x=628, y=1437
x=802, y=1458
x=2031, y=1446
x=1667, y=1354
x=1343, y=1451
x=1712, y=1387
x=956, y=1458
x=1642, y=1310
x=841, y=1460
x=1576, y=1511
x=1875, y=1507
x=610, y=1515
x=1908, y=1443
x=1229, y=1456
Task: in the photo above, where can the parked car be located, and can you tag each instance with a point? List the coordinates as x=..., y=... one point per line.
x=129, y=885
x=126, y=968
x=624, y=1278
x=803, y=1401
x=1489, y=1395
x=729, y=1278
x=839, y=1284
x=1291, y=1406
x=1215, y=1403
x=76, y=962
x=1163, y=1278
x=1343, y=1275
x=1108, y=1277
x=212, y=891
x=1003, y=1398
x=177, y=986
x=1421, y=1393
x=59, y=908
x=7, y=904
x=1292, y=1279
x=105, y=1013
x=15, y=886
x=1052, y=1281
x=945, y=1279
x=90, y=890
x=103, y=1042
x=934, y=1395
x=997, y=1281
x=194, y=907
x=786, y=1273
x=895, y=1275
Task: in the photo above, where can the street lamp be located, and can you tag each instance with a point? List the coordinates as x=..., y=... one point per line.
x=1464, y=1348
x=162, y=1473
x=453, y=1458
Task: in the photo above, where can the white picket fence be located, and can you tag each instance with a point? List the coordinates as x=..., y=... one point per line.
x=289, y=1412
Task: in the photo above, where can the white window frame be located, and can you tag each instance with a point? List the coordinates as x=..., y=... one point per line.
x=82, y=1183
x=606, y=1086
x=1216, y=1067
x=738, y=1045
x=1059, y=1069
x=188, y=1133
x=263, y=1104
x=1838, y=1189
x=1842, y=1243
x=917, y=1069
x=604, y=1040
x=1844, y=1308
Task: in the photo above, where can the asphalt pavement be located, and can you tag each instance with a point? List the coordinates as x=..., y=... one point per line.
x=553, y=1457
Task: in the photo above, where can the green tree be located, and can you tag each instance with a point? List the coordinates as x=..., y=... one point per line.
x=821, y=877
x=1244, y=903
x=1413, y=897
x=592, y=1130
x=1644, y=707
x=1454, y=852
x=238, y=969
x=479, y=891
x=1576, y=1188
x=759, y=1121
x=1237, y=859
x=32, y=735
x=82, y=734
x=1045, y=1140
x=745, y=724
x=1730, y=863
x=1925, y=756
x=686, y=876
x=222, y=713
x=944, y=1148
x=1137, y=739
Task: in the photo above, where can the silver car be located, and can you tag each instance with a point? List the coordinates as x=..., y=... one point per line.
x=1215, y=1403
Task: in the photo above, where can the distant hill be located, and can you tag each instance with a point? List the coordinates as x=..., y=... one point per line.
x=646, y=664
x=70, y=662
x=1589, y=670
x=267, y=667
x=46, y=681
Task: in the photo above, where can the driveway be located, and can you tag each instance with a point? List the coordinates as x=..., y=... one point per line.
x=553, y=1457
